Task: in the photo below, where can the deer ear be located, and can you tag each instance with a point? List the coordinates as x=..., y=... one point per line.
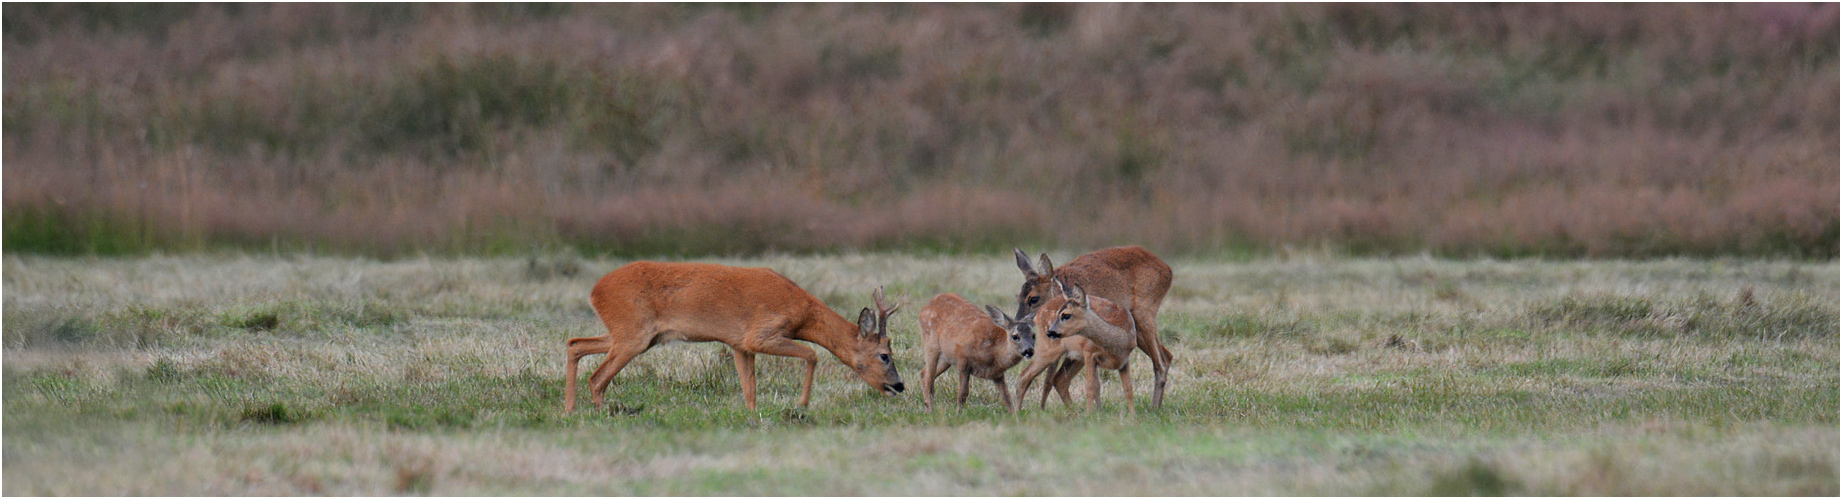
x=1063, y=286
x=998, y=317
x=867, y=322
x=1043, y=262
x=1023, y=264
x=1077, y=295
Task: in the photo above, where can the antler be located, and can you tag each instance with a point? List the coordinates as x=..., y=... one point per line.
x=883, y=313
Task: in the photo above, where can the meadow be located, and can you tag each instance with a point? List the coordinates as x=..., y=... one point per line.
x=1297, y=374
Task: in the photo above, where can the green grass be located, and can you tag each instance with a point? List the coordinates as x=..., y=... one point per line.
x=245, y=375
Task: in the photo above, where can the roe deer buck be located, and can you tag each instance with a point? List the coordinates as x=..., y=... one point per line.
x=753, y=310
x=982, y=344
x=1091, y=329
x=1129, y=276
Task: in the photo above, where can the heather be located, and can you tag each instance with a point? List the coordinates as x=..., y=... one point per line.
x=1636, y=130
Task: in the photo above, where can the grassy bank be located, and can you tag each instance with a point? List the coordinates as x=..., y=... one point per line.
x=237, y=374
x=1464, y=130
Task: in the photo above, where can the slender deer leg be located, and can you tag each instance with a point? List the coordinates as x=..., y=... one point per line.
x=782, y=346
x=745, y=371
x=1126, y=383
x=576, y=349
x=1161, y=357
x=1002, y=392
x=806, y=386
x=618, y=357
x=930, y=369
x=965, y=375
x=1052, y=383
x=1094, y=383
x=1030, y=375
x=1070, y=368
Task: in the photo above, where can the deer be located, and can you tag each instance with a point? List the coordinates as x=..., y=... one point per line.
x=955, y=333
x=1090, y=331
x=1129, y=276
x=752, y=310
x=1063, y=357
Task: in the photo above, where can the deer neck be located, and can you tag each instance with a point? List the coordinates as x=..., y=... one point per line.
x=1106, y=334
x=833, y=332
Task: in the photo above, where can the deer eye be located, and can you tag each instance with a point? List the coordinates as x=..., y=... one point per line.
x=1065, y=316
x=885, y=358
x=1033, y=300
x=1014, y=337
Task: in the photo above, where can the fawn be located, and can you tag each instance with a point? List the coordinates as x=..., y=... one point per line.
x=955, y=333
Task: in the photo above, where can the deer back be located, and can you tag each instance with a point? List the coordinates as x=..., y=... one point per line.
x=1130, y=276
x=952, y=324
x=703, y=296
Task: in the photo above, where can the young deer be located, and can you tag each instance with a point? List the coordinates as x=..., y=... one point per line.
x=1063, y=357
x=1110, y=332
x=1129, y=276
x=753, y=310
x=955, y=333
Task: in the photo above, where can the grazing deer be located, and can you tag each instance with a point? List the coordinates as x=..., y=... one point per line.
x=753, y=310
x=1129, y=276
x=982, y=344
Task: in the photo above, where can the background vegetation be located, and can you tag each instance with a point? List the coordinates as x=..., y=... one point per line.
x=385, y=129
x=256, y=375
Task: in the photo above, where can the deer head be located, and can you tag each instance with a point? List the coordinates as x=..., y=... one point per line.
x=874, y=362
x=1023, y=336
x=1037, y=287
x=1071, y=314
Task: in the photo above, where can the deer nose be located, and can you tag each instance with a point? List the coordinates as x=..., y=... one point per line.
x=897, y=387
x=1028, y=352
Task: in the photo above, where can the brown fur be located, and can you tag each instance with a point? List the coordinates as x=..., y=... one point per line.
x=753, y=310
x=1130, y=276
x=954, y=333
x=1064, y=358
x=1093, y=330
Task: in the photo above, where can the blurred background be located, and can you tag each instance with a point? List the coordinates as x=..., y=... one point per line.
x=1579, y=130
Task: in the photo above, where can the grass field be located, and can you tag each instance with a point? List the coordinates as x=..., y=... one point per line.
x=256, y=375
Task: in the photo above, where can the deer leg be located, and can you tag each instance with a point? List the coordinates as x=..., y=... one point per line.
x=782, y=346
x=745, y=371
x=1094, y=384
x=965, y=376
x=1002, y=392
x=1049, y=386
x=1070, y=368
x=1126, y=383
x=1052, y=383
x=618, y=357
x=575, y=349
x=1030, y=375
x=1154, y=348
x=930, y=369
